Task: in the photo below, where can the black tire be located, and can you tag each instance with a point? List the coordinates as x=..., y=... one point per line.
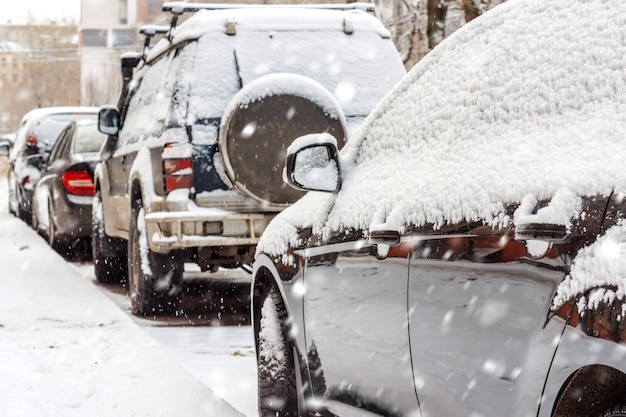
x=276, y=372
x=618, y=410
x=108, y=268
x=154, y=279
x=22, y=214
x=51, y=231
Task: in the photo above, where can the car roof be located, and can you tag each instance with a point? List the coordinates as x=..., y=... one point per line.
x=270, y=18
x=45, y=111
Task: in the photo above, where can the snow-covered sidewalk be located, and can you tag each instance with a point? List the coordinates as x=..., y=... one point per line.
x=68, y=350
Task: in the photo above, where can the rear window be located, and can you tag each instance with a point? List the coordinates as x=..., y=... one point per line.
x=358, y=69
x=48, y=129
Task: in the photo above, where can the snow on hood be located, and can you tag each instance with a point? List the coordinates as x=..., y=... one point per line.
x=526, y=100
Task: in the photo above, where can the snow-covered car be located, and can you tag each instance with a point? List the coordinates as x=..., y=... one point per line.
x=36, y=134
x=468, y=257
x=63, y=195
x=192, y=168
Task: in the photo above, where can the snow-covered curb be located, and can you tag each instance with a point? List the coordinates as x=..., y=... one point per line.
x=66, y=349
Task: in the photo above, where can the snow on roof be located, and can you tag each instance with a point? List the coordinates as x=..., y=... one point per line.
x=528, y=99
x=275, y=18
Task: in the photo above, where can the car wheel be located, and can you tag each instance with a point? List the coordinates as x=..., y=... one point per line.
x=277, y=375
x=154, y=279
x=52, y=235
x=34, y=222
x=22, y=214
x=110, y=266
x=615, y=411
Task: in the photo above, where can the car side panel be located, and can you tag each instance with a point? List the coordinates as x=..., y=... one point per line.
x=478, y=306
x=355, y=316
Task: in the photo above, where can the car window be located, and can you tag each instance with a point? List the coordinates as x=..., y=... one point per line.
x=47, y=131
x=150, y=102
x=88, y=139
x=57, y=149
x=358, y=69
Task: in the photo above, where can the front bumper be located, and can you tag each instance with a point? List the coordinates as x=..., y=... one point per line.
x=181, y=230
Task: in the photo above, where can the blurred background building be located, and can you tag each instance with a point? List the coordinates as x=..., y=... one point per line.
x=75, y=60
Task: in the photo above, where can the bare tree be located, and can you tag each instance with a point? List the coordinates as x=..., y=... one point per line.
x=418, y=26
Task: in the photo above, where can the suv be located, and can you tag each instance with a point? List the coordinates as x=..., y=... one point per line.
x=36, y=134
x=191, y=171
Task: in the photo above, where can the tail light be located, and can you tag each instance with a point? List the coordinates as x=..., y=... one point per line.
x=79, y=183
x=31, y=140
x=177, y=166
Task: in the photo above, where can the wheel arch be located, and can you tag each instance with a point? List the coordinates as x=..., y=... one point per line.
x=589, y=391
x=265, y=274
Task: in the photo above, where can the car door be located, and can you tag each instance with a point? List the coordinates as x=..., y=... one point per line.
x=44, y=192
x=482, y=333
x=355, y=313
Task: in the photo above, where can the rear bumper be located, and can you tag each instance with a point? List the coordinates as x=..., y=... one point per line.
x=181, y=230
x=73, y=215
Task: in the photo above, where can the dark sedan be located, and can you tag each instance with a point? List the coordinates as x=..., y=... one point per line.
x=468, y=255
x=63, y=196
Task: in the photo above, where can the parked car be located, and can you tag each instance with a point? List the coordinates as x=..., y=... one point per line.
x=34, y=138
x=63, y=196
x=466, y=254
x=190, y=172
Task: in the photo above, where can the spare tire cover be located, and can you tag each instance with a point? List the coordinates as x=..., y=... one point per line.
x=260, y=123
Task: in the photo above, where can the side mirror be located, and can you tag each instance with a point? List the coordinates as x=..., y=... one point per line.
x=313, y=163
x=109, y=120
x=5, y=148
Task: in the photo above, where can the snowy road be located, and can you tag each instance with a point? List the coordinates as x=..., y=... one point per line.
x=65, y=351
x=213, y=339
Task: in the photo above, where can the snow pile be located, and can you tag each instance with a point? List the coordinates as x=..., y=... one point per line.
x=562, y=209
x=285, y=84
x=526, y=100
x=67, y=350
x=600, y=268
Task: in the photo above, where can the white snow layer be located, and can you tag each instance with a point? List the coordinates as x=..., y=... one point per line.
x=67, y=350
x=600, y=267
x=526, y=100
x=358, y=68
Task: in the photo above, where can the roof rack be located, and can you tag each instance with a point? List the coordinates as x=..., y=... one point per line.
x=150, y=31
x=178, y=8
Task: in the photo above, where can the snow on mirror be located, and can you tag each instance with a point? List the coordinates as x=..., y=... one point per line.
x=315, y=169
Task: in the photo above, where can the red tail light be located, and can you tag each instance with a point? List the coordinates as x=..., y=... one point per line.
x=178, y=173
x=177, y=166
x=79, y=183
x=31, y=140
